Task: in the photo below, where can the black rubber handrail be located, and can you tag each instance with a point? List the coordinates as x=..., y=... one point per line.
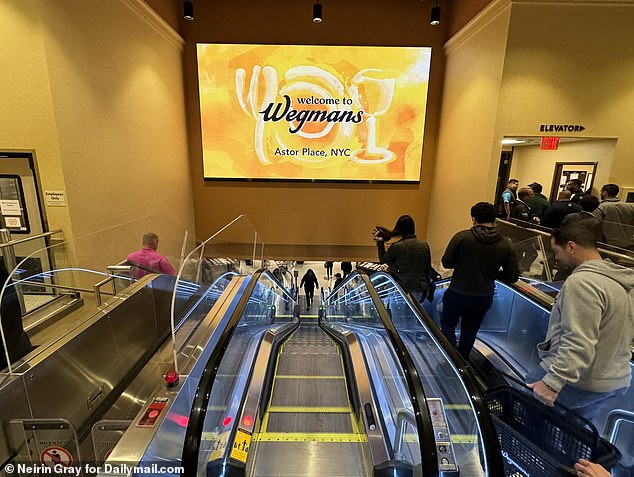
x=493, y=451
x=424, y=426
x=193, y=433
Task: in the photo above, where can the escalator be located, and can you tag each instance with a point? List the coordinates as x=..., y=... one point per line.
x=309, y=412
x=338, y=396
x=82, y=390
x=506, y=349
x=273, y=393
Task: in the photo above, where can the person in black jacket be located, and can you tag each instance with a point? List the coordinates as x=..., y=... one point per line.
x=576, y=191
x=554, y=215
x=309, y=282
x=346, y=268
x=17, y=342
x=408, y=258
x=521, y=210
x=479, y=256
x=525, y=250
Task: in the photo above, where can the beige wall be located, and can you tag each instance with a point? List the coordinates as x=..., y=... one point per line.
x=475, y=59
x=96, y=90
x=313, y=220
x=570, y=63
x=27, y=121
x=531, y=164
x=565, y=62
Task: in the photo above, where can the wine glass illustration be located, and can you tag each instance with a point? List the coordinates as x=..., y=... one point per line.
x=373, y=95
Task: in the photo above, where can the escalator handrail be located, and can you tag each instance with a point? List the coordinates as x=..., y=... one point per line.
x=281, y=286
x=193, y=433
x=611, y=251
x=493, y=454
x=424, y=426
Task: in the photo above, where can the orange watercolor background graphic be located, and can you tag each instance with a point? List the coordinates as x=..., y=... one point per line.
x=372, y=127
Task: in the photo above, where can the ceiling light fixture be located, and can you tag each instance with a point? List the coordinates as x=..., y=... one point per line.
x=188, y=10
x=435, y=15
x=317, y=13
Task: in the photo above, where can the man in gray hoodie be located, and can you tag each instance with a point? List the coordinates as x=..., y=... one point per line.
x=585, y=358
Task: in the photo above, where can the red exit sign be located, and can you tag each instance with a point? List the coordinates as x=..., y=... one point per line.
x=549, y=143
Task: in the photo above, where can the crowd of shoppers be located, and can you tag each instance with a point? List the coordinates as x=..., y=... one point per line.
x=584, y=359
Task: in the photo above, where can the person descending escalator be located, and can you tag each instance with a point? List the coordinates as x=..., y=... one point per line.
x=409, y=257
x=479, y=256
x=309, y=282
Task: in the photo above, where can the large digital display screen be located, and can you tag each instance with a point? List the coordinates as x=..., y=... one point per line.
x=334, y=113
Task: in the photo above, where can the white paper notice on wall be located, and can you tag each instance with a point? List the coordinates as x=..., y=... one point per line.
x=55, y=198
x=12, y=222
x=10, y=207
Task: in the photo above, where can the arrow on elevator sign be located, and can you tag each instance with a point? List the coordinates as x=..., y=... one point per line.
x=241, y=445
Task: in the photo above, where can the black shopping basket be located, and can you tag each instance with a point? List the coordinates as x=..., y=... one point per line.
x=542, y=441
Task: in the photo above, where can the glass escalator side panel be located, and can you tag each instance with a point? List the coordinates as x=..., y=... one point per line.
x=459, y=441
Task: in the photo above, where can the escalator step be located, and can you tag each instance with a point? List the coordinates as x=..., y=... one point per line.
x=312, y=393
x=305, y=422
x=318, y=365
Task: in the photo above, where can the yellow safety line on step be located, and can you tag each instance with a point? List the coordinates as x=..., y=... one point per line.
x=299, y=376
x=353, y=418
x=309, y=437
x=264, y=436
x=305, y=409
x=265, y=422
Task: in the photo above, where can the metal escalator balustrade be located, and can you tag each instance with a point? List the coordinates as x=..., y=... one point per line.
x=117, y=358
x=203, y=392
x=161, y=442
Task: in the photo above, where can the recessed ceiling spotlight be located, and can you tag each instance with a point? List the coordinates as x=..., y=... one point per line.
x=317, y=12
x=435, y=15
x=188, y=10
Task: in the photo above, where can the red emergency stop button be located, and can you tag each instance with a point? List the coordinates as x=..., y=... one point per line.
x=171, y=379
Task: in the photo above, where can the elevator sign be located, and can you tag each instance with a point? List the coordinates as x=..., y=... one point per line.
x=558, y=128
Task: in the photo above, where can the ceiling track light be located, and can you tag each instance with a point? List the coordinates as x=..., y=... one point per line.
x=317, y=12
x=435, y=15
x=188, y=10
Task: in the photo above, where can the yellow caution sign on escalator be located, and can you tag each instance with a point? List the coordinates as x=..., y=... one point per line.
x=241, y=445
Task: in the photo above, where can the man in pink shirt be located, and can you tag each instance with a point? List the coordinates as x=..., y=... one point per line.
x=147, y=260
